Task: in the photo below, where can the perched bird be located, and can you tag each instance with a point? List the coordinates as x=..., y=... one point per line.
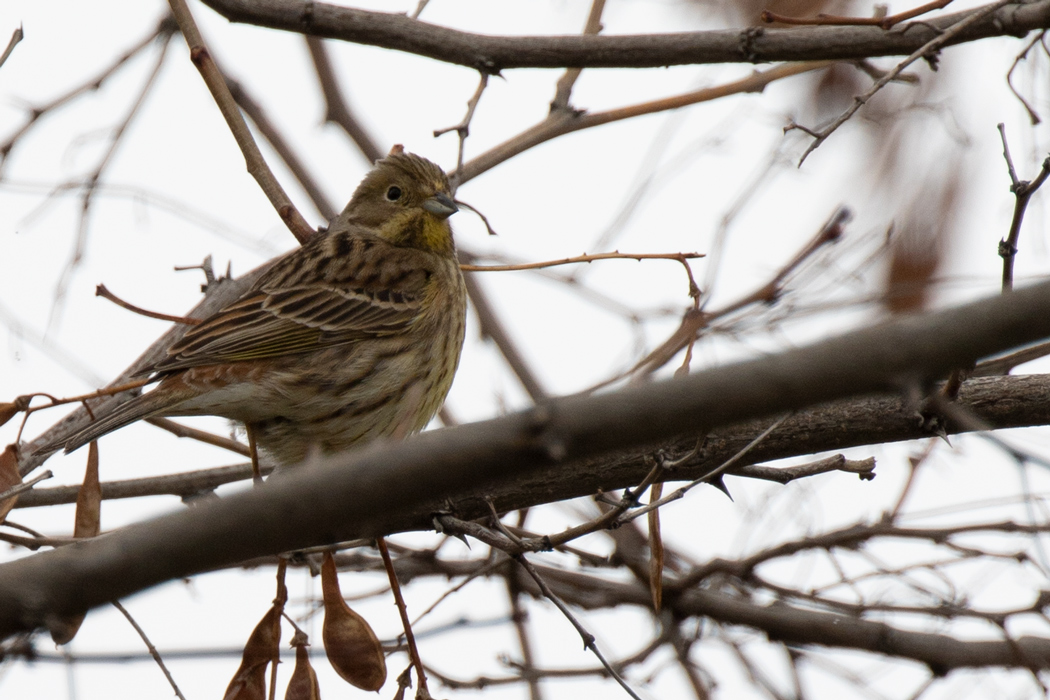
x=354, y=335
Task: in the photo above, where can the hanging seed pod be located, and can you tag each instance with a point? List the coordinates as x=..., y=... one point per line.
x=8, y=411
x=303, y=684
x=9, y=477
x=86, y=523
x=249, y=683
x=352, y=647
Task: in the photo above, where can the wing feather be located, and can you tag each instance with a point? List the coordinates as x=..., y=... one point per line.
x=369, y=290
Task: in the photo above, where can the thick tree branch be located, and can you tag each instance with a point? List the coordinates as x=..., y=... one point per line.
x=490, y=54
x=385, y=487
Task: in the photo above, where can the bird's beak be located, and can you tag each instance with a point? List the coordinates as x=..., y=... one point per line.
x=440, y=205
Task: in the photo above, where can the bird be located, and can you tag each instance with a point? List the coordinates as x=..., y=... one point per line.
x=353, y=336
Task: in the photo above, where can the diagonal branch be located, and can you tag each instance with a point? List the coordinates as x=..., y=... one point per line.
x=384, y=487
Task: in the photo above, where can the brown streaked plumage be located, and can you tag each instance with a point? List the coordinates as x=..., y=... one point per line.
x=354, y=335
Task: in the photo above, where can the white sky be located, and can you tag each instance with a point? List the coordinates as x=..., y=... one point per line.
x=552, y=202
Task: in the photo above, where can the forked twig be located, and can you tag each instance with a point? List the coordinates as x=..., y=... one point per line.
x=927, y=49
x=1023, y=191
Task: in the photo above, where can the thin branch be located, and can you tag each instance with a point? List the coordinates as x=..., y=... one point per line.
x=587, y=637
x=19, y=489
x=711, y=477
x=695, y=320
x=559, y=123
x=1033, y=117
x=102, y=291
x=185, y=431
x=253, y=157
x=165, y=26
x=927, y=50
x=563, y=90
x=337, y=109
x=1023, y=191
x=284, y=150
x=152, y=649
x=882, y=22
x=91, y=182
x=16, y=36
x=585, y=258
x=463, y=131
x=402, y=609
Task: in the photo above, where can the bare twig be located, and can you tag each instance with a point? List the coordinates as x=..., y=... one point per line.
x=1023, y=191
x=16, y=36
x=587, y=637
x=96, y=81
x=102, y=291
x=709, y=477
x=152, y=649
x=695, y=320
x=26, y=486
x=269, y=130
x=90, y=183
x=1033, y=116
x=926, y=50
x=185, y=431
x=559, y=123
x=253, y=157
x=337, y=109
x=883, y=22
x=586, y=258
x=402, y=609
x=463, y=131
x=563, y=91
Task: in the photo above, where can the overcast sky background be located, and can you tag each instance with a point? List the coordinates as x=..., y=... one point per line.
x=177, y=191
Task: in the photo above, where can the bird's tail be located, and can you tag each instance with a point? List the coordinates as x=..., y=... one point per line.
x=143, y=406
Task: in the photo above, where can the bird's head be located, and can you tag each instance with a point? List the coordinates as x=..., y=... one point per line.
x=407, y=200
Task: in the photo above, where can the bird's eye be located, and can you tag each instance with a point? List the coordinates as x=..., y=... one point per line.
x=394, y=193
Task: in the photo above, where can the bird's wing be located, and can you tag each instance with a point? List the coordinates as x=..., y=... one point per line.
x=349, y=287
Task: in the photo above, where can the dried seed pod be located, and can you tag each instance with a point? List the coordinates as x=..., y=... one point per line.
x=303, y=684
x=8, y=411
x=352, y=647
x=87, y=523
x=9, y=477
x=249, y=683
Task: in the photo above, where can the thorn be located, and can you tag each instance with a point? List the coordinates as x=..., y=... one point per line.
x=721, y=486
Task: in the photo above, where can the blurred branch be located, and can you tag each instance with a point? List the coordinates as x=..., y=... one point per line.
x=16, y=36
x=164, y=28
x=337, y=110
x=492, y=54
x=927, y=51
x=90, y=183
x=561, y=122
x=268, y=129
